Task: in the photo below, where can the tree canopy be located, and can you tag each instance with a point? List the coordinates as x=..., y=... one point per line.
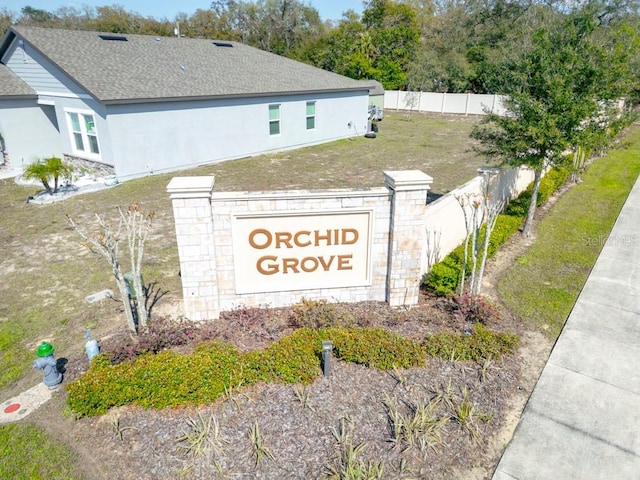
x=558, y=92
x=427, y=45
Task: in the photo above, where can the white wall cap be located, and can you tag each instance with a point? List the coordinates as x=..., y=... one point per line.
x=191, y=187
x=407, y=180
x=300, y=194
x=489, y=170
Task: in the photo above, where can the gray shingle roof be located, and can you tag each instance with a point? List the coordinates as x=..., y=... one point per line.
x=151, y=68
x=12, y=86
x=375, y=87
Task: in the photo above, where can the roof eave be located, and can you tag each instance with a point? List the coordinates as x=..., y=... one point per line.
x=6, y=42
x=124, y=101
x=19, y=97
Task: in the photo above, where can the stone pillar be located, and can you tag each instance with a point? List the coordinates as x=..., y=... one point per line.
x=406, y=234
x=191, y=199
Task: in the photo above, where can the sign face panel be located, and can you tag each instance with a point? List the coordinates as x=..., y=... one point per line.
x=302, y=250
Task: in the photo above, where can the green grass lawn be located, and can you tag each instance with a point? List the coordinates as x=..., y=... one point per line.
x=26, y=452
x=543, y=284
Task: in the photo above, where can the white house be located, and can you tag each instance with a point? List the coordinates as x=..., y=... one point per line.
x=145, y=104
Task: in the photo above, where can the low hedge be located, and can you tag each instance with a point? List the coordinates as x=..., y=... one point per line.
x=445, y=276
x=167, y=379
x=480, y=345
x=548, y=185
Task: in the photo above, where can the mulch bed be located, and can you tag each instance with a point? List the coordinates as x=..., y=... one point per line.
x=300, y=426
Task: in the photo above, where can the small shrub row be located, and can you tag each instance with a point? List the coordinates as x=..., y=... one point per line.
x=553, y=180
x=480, y=345
x=375, y=347
x=161, y=335
x=168, y=379
x=445, y=276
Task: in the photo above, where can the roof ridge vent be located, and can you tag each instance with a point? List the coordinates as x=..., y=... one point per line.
x=118, y=38
x=222, y=44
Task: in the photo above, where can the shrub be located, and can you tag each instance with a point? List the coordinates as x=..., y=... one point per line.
x=293, y=359
x=318, y=314
x=45, y=170
x=167, y=379
x=444, y=277
x=375, y=347
x=473, y=308
x=505, y=227
x=554, y=178
x=481, y=344
x=162, y=334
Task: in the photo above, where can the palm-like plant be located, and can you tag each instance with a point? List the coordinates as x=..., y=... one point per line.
x=39, y=171
x=57, y=168
x=43, y=171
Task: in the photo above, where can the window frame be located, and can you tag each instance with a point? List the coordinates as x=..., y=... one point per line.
x=83, y=134
x=310, y=116
x=274, y=121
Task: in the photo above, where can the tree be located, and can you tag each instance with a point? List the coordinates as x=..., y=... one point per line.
x=480, y=216
x=37, y=17
x=555, y=89
x=6, y=20
x=395, y=33
x=134, y=225
x=278, y=26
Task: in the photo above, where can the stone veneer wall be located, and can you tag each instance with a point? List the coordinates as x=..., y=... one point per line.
x=204, y=233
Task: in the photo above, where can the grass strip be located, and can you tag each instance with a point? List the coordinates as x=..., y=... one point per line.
x=28, y=452
x=543, y=284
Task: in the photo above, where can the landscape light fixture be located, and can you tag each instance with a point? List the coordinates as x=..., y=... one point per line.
x=327, y=347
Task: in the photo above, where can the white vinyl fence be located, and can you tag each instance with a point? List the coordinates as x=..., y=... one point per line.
x=457, y=103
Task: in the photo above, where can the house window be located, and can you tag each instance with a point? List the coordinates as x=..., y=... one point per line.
x=274, y=119
x=84, y=134
x=311, y=115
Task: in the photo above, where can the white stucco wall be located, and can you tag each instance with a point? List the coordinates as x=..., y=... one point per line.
x=63, y=105
x=170, y=136
x=28, y=131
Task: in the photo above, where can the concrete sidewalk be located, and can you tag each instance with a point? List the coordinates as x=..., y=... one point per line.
x=582, y=420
